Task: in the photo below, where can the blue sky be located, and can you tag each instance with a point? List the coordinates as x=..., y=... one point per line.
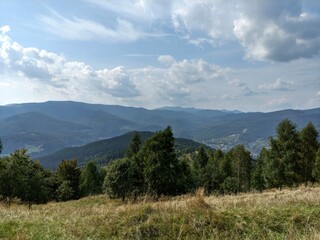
x=247, y=55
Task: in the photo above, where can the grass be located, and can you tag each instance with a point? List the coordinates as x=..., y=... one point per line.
x=286, y=214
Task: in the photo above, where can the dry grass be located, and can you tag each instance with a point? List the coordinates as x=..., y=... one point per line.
x=286, y=214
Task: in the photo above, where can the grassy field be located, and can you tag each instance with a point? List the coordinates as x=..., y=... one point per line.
x=286, y=214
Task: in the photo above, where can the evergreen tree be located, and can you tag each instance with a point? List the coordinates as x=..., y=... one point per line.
x=316, y=168
x=200, y=163
x=257, y=179
x=137, y=167
x=284, y=153
x=241, y=163
x=161, y=164
x=212, y=176
x=90, y=180
x=308, y=149
x=20, y=177
x=69, y=174
x=134, y=146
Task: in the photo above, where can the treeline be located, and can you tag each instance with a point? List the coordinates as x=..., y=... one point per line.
x=153, y=168
x=28, y=182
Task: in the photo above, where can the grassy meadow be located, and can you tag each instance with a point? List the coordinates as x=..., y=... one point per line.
x=286, y=214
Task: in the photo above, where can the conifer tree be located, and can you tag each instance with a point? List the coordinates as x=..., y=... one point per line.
x=161, y=164
x=68, y=173
x=241, y=167
x=308, y=150
x=316, y=167
x=257, y=179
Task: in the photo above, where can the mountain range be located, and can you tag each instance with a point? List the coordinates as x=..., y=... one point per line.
x=45, y=128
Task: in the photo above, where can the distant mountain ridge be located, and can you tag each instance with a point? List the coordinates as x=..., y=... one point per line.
x=45, y=128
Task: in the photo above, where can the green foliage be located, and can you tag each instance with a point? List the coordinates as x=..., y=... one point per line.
x=90, y=182
x=316, y=168
x=65, y=191
x=134, y=146
x=161, y=164
x=20, y=177
x=230, y=185
x=0, y=146
x=68, y=172
x=284, y=155
x=308, y=150
x=241, y=164
x=118, y=180
x=257, y=179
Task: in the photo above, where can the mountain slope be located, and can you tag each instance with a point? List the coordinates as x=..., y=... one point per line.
x=38, y=126
x=105, y=150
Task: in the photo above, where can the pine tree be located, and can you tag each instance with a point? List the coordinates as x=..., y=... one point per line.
x=257, y=179
x=68, y=172
x=284, y=153
x=134, y=146
x=308, y=149
x=161, y=164
x=316, y=167
x=241, y=163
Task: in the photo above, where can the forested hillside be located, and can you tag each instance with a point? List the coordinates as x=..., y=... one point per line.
x=158, y=166
x=44, y=128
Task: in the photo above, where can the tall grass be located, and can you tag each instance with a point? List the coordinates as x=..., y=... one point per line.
x=286, y=214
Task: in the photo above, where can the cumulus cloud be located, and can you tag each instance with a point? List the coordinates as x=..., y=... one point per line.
x=277, y=30
x=177, y=81
x=166, y=59
x=55, y=71
x=279, y=84
x=204, y=21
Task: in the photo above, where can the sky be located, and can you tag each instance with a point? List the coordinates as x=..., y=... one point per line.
x=249, y=55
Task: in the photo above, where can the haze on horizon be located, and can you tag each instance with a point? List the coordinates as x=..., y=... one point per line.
x=245, y=55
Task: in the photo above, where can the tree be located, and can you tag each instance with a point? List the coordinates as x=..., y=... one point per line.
x=134, y=146
x=0, y=146
x=212, y=176
x=241, y=163
x=257, y=179
x=199, y=164
x=69, y=172
x=284, y=154
x=117, y=183
x=22, y=178
x=161, y=164
x=230, y=185
x=65, y=192
x=316, y=168
x=137, y=167
x=90, y=180
x=308, y=150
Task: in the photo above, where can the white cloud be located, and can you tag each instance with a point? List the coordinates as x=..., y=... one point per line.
x=277, y=30
x=37, y=75
x=166, y=59
x=279, y=84
x=58, y=73
x=204, y=21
